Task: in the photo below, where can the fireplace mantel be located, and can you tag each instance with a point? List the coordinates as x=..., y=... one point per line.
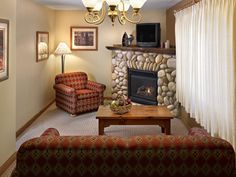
x=170, y=51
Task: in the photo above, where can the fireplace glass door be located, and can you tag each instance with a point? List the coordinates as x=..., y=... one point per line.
x=142, y=86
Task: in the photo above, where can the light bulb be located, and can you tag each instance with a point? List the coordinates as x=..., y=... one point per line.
x=126, y=4
x=137, y=4
x=89, y=3
x=98, y=6
x=113, y=2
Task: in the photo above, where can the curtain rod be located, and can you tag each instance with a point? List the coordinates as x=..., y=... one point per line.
x=193, y=2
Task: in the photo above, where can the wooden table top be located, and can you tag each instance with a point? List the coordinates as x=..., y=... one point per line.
x=137, y=112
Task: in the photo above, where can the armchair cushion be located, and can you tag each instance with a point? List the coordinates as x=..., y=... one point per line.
x=85, y=93
x=64, y=89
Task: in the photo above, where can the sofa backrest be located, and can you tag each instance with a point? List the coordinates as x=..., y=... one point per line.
x=103, y=156
x=77, y=80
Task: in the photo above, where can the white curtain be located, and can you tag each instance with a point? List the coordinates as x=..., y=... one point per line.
x=206, y=65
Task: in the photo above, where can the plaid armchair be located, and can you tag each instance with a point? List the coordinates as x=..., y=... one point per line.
x=76, y=94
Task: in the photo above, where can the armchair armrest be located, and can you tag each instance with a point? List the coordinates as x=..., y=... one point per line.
x=95, y=86
x=64, y=89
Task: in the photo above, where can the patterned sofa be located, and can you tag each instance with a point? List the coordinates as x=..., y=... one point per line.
x=76, y=94
x=197, y=154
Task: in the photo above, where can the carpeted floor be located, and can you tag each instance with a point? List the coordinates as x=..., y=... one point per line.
x=86, y=124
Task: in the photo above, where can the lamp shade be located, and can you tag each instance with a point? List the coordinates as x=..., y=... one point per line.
x=89, y=3
x=98, y=6
x=126, y=5
x=113, y=2
x=137, y=3
x=62, y=49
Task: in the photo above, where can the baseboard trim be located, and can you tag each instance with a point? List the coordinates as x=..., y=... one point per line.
x=7, y=164
x=24, y=127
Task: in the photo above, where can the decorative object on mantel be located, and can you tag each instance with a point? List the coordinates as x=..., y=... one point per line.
x=4, y=49
x=84, y=38
x=42, y=45
x=126, y=40
x=62, y=49
x=167, y=44
x=121, y=106
x=117, y=9
x=130, y=39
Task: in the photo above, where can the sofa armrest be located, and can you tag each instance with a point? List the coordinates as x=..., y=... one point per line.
x=14, y=173
x=51, y=132
x=195, y=131
x=64, y=89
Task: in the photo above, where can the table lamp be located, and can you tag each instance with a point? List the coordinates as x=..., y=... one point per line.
x=62, y=49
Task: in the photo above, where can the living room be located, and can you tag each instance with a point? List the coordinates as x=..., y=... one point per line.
x=28, y=94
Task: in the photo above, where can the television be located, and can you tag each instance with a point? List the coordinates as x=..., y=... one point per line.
x=148, y=34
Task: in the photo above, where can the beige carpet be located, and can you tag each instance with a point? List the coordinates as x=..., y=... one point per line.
x=86, y=124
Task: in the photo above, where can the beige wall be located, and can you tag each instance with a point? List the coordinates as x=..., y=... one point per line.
x=8, y=88
x=34, y=81
x=97, y=63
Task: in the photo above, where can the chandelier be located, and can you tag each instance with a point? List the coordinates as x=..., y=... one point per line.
x=116, y=9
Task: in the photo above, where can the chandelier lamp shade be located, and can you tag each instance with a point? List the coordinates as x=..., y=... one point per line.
x=97, y=10
x=62, y=49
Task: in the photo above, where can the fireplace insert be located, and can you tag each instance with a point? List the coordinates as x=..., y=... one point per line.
x=142, y=86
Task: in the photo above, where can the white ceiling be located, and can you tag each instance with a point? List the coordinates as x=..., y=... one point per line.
x=77, y=4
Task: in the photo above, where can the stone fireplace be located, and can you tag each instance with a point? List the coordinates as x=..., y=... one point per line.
x=142, y=86
x=159, y=61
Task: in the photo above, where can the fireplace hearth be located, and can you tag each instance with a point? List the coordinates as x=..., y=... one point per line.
x=142, y=86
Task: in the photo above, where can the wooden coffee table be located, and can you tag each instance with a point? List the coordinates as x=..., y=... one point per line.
x=139, y=115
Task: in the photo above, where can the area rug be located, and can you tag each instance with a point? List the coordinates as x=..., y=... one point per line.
x=87, y=124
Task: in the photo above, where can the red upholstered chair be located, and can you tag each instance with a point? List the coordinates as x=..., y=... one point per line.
x=76, y=94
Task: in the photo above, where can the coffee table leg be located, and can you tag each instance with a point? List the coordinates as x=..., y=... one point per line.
x=167, y=127
x=162, y=130
x=101, y=127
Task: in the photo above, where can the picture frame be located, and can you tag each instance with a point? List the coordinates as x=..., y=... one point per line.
x=84, y=38
x=4, y=49
x=42, y=45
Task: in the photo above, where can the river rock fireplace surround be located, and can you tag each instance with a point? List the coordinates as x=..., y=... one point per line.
x=159, y=61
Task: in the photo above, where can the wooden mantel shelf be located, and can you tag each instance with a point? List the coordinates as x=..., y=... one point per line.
x=170, y=51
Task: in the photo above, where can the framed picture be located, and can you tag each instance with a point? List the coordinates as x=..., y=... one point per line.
x=42, y=45
x=4, y=49
x=84, y=38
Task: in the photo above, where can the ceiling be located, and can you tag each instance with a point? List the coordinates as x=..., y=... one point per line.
x=77, y=4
